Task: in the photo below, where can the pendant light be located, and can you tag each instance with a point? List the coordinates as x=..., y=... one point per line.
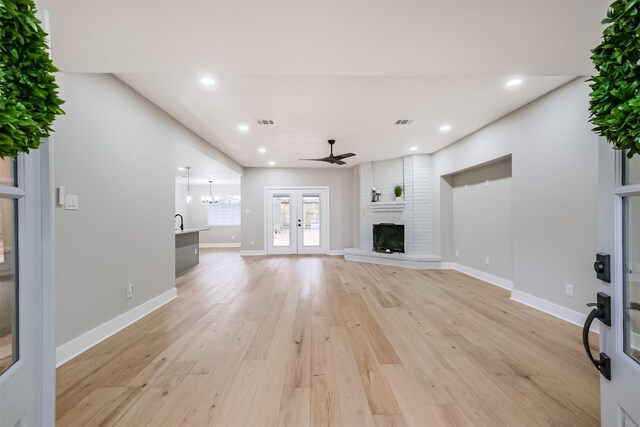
x=188, y=184
x=209, y=198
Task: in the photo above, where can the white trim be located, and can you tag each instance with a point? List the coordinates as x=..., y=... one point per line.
x=48, y=282
x=219, y=245
x=84, y=342
x=553, y=309
x=418, y=262
x=259, y=252
x=335, y=252
x=482, y=275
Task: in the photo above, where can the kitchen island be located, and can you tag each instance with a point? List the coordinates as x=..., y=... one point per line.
x=187, y=248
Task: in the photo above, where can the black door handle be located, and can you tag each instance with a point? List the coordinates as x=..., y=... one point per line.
x=602, y=312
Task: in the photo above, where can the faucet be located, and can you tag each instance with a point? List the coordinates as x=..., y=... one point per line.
x=181, y=221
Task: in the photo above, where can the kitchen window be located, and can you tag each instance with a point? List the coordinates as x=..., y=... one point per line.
x=224, y=211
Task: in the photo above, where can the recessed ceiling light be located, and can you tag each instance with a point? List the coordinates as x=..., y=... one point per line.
x=207, y=81
x=243, y=127
x=271, y=163
x=413, y=148
x=513, y=82
x=262, y=150
x=445, y=128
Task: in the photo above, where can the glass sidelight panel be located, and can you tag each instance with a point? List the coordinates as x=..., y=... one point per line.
x=311, y=220
x=8, y=284
x=281, y=220
x=631, y=236
x=630, y=170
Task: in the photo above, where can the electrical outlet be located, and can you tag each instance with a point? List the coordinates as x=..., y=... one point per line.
x=252, y=243
x=457, y=253
x=569, y=289
x=486, y=183
x=466, y=187
x=233, y=237
x=130, y=290
x=486, y=260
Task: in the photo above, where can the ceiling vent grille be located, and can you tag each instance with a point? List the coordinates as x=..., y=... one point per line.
x=265, y=122
x=404, y=122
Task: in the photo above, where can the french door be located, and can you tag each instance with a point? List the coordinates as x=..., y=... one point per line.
x=618, y=266
x=27, y=292
x=297, y=220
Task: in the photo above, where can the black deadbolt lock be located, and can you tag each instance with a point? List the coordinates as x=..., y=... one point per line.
x=602, y=267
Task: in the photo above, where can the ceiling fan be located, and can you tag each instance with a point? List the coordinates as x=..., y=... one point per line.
x=334, y=160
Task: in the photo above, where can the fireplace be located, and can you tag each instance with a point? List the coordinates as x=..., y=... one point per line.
x=388, y=238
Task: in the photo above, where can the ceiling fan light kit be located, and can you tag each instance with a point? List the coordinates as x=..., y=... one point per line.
x=334, y=160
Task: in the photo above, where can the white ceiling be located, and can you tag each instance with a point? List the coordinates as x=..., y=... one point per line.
x=330, y=69
x=203, y=168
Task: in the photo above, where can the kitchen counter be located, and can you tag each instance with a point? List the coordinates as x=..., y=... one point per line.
x=187, y=248
x=191, y=230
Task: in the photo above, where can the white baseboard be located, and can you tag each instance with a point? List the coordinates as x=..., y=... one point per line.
x=259, y=252
x=553, y=309
x=336, y=252
x=219, y=245
x=84, y=342
x=478, y=274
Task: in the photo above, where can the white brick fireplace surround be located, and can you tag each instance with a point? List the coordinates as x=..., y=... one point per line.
x=414, y=174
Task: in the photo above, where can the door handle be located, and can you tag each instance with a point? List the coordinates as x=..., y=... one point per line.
x=602, y=312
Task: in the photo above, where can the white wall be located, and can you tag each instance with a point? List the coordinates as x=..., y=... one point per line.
x=481, y=207
x=342, y=201
x=554, y=192
x=197, y=212
x=181, y=206
x=116, y=151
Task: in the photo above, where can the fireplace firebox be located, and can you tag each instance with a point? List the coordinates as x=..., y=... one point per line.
x=388, y=238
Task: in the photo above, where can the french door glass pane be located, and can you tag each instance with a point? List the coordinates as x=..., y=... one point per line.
x=311, y=220
x=281, y=220
x=630, y=170
x=8, y=171
x=8, y=284
x=631, y=238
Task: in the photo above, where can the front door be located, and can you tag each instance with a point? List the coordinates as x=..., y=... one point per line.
x=620, y=238
x=27, y=370
x=297, y=221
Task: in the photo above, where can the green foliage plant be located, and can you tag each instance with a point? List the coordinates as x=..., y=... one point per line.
x=615, y=90
x=29, y=101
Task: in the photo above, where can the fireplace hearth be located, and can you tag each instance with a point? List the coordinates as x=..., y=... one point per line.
x=388, y=238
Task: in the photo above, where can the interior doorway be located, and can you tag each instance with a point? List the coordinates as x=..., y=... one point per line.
x=297, y=220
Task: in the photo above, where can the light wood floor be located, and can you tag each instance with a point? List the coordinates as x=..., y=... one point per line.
x=320, y=341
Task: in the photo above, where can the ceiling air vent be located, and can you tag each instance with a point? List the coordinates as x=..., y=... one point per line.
x=404, y=122
x=265, y=122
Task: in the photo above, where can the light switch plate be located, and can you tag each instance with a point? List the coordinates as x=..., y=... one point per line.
x=247, y=211
x=62, y=195
x=71, y=202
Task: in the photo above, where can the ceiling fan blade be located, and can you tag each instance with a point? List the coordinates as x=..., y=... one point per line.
x=339, y=162
x=344, y=156
x=324, y=159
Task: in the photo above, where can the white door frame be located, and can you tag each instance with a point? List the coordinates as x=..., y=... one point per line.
x=326, y=228
x=622, y=391
x=36, y=287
